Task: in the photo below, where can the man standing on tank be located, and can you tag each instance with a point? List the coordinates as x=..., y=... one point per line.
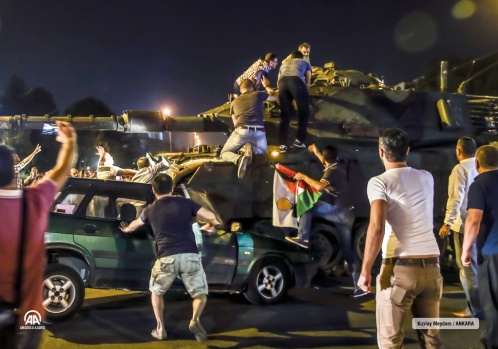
x=305, y=49
x=294, y=79
x=171, y=220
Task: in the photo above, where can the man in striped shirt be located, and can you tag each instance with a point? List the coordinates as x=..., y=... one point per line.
x=258, y=73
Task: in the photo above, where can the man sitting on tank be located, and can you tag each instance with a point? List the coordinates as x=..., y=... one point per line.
x=247, y=116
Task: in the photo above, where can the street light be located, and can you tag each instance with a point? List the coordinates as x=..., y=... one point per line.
x=166, y=114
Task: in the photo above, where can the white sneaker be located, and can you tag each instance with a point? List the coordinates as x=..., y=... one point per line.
x=298, y=144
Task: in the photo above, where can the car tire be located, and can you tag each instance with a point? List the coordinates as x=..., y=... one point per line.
x=62, y=305
x=324, y=247
x=268, y=282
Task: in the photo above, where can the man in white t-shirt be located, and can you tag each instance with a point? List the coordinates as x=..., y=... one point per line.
x=401, y=211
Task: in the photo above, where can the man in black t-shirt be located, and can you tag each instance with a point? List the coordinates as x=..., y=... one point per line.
x=247, y=116
x=333, y=205
x=482, y=224
x=171, y=221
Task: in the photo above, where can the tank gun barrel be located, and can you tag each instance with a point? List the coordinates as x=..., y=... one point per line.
x=131, y=121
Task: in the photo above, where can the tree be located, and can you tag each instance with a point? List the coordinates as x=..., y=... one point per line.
x=89, y=106
x=39, y=101
x=13, y=97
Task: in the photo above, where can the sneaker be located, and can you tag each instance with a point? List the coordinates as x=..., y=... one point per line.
x=196, y=328
x=298, y=241
x=248, y=152
x=157, y=335
x=298, y=144
x=241, y=171
x=359, y=293
x=283, y=148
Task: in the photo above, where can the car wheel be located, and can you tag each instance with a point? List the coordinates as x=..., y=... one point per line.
x=268, y=282
x=63, y=292
x=324, y=247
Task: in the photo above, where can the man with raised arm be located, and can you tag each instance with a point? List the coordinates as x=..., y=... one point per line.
x=37, y=202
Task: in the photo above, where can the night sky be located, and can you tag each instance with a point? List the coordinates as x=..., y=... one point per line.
x=186, y=54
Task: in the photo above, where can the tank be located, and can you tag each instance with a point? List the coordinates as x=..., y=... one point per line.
x=349, y=110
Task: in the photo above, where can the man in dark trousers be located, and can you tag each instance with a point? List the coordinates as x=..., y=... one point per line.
x=294, y=79
x=38, y=199
x=482, y=224
x=171, y=220
x=461, y=178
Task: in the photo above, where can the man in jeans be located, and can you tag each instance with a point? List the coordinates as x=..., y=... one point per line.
x=482, y=224
x=171, y=220
x=333, y=205
x=461, y=178
x=38, y=200
x=409, y=279
x=247, y=116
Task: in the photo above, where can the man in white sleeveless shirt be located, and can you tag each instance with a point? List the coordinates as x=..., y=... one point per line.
x=401, y=212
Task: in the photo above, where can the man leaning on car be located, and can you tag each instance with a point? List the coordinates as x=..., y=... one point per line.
x=171, y=220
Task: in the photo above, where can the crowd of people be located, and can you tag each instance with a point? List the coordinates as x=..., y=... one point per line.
x=401, y=217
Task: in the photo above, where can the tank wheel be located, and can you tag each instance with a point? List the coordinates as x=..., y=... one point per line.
x=63, y=292
x=268, y=282
x=359, y=241
x=325, y=247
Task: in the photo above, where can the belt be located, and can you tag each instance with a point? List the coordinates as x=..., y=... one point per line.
x=410, y=261
x=252, y=127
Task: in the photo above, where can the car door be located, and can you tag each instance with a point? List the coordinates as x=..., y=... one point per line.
x=121, y=260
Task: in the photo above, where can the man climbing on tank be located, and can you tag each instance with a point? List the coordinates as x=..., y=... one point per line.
x=258, y=73
x=249, y=132
x=333, y=205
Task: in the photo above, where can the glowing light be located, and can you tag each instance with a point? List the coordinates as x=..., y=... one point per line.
x=416, y=32
x=197, y=139
x=275, y=153
x=463, y=9
x=166, y=112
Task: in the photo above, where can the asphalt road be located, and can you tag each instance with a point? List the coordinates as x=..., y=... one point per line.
x=324, y=316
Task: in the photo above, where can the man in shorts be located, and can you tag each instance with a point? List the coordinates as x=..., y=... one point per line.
x=171, y=220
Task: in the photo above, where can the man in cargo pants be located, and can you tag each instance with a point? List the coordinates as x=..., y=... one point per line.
x=409, y=279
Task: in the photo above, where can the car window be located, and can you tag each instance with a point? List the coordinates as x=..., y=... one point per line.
x=67, y=204
x=99, y=207
x=139, y=205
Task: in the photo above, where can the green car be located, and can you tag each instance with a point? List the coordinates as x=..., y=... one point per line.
x=85, y=248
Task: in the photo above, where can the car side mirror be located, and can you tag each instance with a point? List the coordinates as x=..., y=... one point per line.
x=128, y=212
